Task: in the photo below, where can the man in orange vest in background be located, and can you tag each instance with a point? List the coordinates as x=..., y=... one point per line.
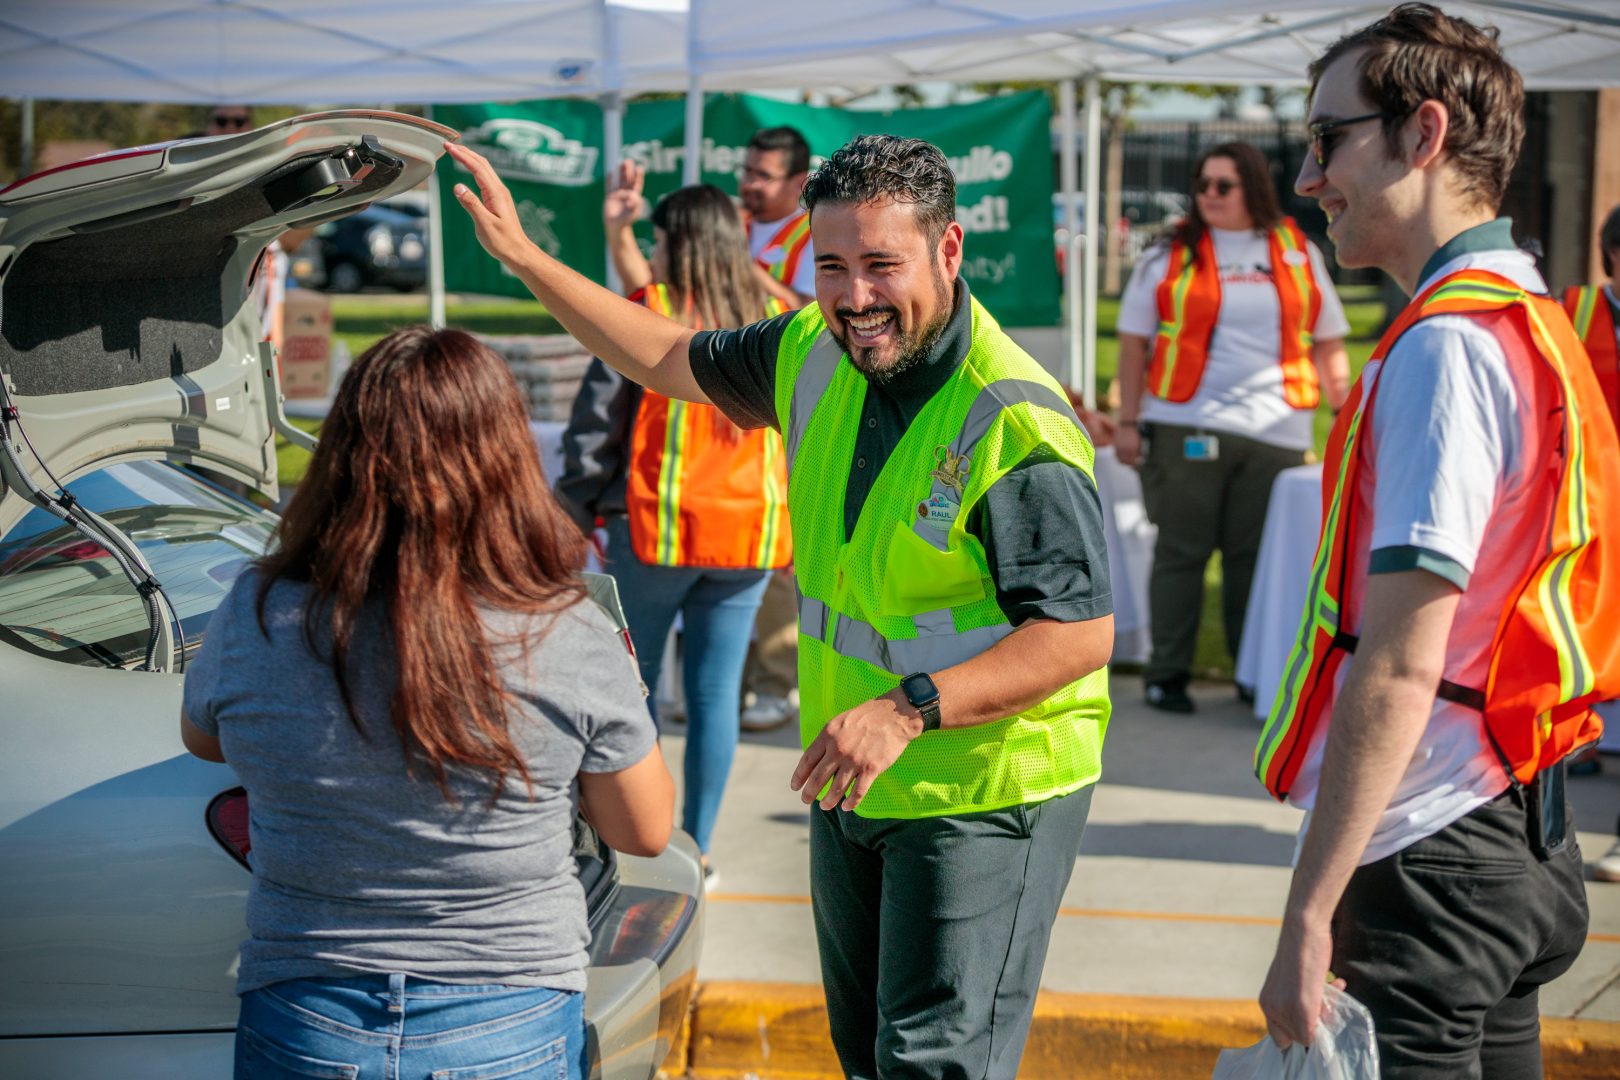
x=1595, y=311
x=1460, y=617
x=769, y=186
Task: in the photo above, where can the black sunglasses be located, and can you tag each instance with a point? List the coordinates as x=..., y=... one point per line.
x=1222, y=186
x=228, y=120
x=1324, y=140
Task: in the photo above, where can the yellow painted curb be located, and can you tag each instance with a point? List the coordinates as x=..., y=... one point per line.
x=778, y=1031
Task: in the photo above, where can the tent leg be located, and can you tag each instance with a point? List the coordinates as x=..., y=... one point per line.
x=692, y=165
x=612, y=151
x=25, y=167
x=1068, y=148
x=436, y=315
x=1088, y=384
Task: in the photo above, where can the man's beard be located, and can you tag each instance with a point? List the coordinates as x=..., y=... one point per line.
x=912, y=346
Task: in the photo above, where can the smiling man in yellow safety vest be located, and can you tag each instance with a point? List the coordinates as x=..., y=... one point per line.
x=954, y=611
x=1461, y=613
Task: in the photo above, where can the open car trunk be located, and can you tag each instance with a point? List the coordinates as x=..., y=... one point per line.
x=128, y=326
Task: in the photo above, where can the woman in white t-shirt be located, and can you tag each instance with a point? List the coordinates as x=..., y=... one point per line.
x=1230, y=334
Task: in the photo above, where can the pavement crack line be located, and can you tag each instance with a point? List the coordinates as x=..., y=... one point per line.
x=1599, y=992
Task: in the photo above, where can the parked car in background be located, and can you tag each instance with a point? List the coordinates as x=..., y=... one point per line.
x=1144, y=215
x=383, y=245
x=131, y=376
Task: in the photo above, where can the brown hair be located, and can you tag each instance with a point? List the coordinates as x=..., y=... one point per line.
x=711, y=274
x=425, y=494
x=1259, y=193
x=1418, y=53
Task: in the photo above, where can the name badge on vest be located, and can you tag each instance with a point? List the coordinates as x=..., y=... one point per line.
x=939, y=511
x=1295, y=258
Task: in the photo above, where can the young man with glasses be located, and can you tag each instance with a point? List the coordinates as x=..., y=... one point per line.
x=769, y=185
x=1455, y=633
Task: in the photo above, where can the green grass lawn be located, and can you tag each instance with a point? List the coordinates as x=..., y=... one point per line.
x=359, y=321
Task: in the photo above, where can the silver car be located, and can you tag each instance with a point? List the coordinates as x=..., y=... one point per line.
x=136, y=399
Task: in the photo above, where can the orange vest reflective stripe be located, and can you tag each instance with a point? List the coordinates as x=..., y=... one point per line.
x=1190, y=303
x=699, y=491
x=791, y=240
x=1556, y=648
x=1594, y=324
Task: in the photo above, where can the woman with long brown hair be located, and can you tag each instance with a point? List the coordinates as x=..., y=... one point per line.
x=416, y=693
x=695, y=509
x=1230, y=334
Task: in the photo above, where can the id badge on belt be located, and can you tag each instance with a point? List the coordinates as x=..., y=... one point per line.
x=1201, y=448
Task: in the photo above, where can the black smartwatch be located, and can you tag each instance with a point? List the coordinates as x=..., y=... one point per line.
x=924, y=697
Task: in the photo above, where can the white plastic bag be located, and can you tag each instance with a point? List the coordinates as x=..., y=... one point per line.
x=1344, y=1049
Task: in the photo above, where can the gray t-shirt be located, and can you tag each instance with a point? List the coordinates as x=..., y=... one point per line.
x=357, y=868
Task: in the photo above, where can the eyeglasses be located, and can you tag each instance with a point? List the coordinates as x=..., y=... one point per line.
x=1222, y=186
x=759, y=176
x=1324, y=140
x=238, y=121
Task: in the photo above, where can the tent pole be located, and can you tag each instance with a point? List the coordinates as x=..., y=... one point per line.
x=1068, y=150
x=692, y=163
x=26, y=166
x=436, y=317
x=1088, y=384
x=612, y=151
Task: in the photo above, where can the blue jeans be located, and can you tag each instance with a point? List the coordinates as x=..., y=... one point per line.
x=388, y=1027
x=717, y=614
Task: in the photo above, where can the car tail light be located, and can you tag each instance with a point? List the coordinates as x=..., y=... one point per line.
x=228, y=821
x=651, y=927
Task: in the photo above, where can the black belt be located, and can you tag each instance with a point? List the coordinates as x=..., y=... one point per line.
x=1456, y=693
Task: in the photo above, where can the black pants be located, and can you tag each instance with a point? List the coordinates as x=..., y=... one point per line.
x=933, y=933
x=1199, y=507
x=1449, y=941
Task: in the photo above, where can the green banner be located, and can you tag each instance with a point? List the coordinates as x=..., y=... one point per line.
x=1000, y=150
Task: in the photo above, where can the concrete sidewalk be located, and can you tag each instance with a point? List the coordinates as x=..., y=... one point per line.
x=1177, y=894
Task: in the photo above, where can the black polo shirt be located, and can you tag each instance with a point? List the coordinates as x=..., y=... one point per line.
x=1041, y=524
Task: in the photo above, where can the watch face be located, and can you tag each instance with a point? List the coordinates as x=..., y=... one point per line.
x=919, y=689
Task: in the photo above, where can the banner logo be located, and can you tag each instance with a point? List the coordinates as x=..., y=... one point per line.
x=528, y=150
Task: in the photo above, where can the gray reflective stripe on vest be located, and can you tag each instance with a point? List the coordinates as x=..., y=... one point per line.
x=938, y=644
x=989, y=404
x=809, y=388
x=812, y=618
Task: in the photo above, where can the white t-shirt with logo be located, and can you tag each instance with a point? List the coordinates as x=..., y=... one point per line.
x=804, y=276
x=1242, y=388
x=1449, y=475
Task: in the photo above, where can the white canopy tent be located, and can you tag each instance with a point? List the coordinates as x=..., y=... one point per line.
x=495, y=50
x=348, y=51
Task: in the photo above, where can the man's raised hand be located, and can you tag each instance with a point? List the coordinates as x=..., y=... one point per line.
x=494, y=214
x=624, y=201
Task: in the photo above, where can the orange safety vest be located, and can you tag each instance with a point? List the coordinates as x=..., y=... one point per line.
x=1594, y=324
x=1556, y=648
x=791, y=239
x=1190, y=304
x=700, y=492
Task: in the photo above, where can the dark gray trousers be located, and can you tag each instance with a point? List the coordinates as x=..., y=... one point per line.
x=1201, y=507
x=933, y=933
x=1448, y=943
